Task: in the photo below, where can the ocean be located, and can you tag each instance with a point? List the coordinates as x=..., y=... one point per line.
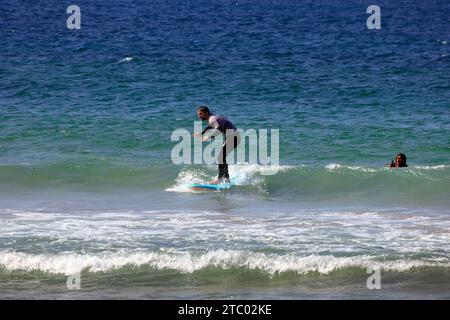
x=92, y=206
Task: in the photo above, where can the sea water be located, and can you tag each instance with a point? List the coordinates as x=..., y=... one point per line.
x=88, y=189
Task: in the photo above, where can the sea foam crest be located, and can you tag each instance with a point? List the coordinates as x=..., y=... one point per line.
x=71, y=263
x=336, y=166
x=241, y=175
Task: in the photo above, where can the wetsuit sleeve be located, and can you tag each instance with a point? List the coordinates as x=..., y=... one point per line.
x=212, y=124
x=206, y=129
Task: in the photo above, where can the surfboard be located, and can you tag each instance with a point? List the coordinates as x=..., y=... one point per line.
x=205, y=186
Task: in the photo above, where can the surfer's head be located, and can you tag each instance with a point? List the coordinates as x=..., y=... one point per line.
x=400, y=160
x=203, y=113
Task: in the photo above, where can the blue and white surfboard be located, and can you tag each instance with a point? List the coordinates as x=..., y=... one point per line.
x=205, y=186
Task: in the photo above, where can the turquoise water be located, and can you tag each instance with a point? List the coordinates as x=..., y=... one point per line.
x=87, y=183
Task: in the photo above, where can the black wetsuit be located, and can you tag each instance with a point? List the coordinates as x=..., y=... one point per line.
x=231, y=140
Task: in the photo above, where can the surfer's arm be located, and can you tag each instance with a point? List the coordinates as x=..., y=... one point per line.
x=196, y=134
x=213, y=127
x=201, y=134
x=206, y=129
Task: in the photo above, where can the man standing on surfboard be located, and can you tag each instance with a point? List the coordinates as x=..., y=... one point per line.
x=231, y=139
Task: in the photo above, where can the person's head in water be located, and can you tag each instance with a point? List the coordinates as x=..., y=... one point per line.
x=203, y=113
x=400, y=161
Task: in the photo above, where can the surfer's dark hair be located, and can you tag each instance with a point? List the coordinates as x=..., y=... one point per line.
x=204, y=109
x=403, y=156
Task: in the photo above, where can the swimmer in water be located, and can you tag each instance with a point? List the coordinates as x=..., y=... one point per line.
x=400, y=161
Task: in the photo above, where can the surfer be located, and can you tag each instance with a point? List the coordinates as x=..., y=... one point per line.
x=400, y=161
x=231, y=137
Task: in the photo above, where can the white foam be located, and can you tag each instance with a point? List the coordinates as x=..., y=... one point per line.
x=241, y=175
x=187, y=177
x=71, y=263
x=243, y=172
x=441, y=166
x=336, y=166
x=307, y=231
x=127, y=59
